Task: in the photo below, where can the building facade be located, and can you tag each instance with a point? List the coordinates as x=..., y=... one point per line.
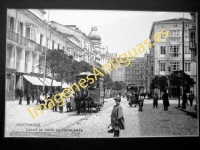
x=135, y=73
x=29, y=36
x=93, y=52
x=166, y=56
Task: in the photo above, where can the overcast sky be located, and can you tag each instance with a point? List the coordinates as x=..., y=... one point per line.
x=119, y=30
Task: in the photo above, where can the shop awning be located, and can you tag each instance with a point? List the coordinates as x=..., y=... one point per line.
x=55, y=83
x=33, y=80
x=65, y=85
x=46, y=82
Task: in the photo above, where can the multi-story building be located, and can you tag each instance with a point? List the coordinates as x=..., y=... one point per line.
x=166, y=56
x=193, y=45
x=28, y=37
x=135, y=73
x=93, y=52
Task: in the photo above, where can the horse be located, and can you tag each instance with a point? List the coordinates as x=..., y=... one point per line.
x=89, y=103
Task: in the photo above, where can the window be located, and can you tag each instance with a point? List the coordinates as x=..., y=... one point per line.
x=174, y=33
x=20, y=28
x=162, y=66
x=186, y=50
x=11, y=23
x=28, y=32
x=187, y=66
x=162, y=50
x=175, y=50
x=41, y=39
x=151, y=68
x=53, y=42
x=47, y=43
x=186, y=33
x=175, y=25
x=175, y=66
x=136, y=71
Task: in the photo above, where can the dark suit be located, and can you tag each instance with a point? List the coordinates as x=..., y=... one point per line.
x=38, y=93
x=21, y=94
x=33, y=95
x=28, y=97
x=165, y=101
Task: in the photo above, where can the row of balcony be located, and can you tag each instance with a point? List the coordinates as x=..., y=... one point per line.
x=25, y=42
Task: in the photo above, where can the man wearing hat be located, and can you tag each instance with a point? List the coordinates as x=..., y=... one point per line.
x=117, y=117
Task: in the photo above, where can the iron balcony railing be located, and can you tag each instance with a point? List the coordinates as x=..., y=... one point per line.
x=25, y=42
x=17, y=38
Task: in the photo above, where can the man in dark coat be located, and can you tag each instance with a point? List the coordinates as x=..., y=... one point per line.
x=33, y=94
x=184, y=97
x=48, y=96
x=165, y=101
x=38, y=93
x=21, y=94
x=28, y=96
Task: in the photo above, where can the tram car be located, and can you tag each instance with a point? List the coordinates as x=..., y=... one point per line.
x=95, y=90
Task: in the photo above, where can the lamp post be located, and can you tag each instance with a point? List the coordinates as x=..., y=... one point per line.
x=179, y=75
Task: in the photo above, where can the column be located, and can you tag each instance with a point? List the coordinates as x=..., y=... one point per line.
x=22, y=61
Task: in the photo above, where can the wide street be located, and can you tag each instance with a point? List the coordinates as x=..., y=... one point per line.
x=150, y=122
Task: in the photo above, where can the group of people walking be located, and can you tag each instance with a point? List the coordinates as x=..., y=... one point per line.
x=42, y=97
x=166, y=100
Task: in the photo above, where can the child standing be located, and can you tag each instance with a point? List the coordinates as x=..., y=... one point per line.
x=117, y=117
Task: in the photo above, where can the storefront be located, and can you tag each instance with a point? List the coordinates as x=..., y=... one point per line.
x=10, y=84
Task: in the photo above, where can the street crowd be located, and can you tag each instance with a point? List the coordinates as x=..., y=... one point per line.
x=83, y=103
x=79, y=101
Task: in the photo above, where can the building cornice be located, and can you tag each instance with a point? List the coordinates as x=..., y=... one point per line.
x=43, y=24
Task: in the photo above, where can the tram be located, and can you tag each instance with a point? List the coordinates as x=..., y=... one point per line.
x=95, y=90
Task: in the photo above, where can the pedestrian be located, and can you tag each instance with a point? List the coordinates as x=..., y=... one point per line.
x=61, y=102
x=33, y=94
x=21, y=94
x=72, y=102
x=28, y=96
x=48, y=96
x=165, y=101
x=42, y=99
x=191, y=97
x=67, y=101
x=38, y=93
x=184, y=97
x=155, y=100
x=54, y=100
x=117, y=117
x=140, y=105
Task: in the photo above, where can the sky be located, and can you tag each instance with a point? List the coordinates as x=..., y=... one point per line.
x=119, y=30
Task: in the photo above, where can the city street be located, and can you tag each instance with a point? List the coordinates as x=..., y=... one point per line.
x=150, y=122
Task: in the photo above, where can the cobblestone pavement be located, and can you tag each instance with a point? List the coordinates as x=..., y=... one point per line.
x=150, y=122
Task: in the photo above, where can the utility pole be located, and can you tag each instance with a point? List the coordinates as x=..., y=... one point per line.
x=45, y=53
x=183, y=61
